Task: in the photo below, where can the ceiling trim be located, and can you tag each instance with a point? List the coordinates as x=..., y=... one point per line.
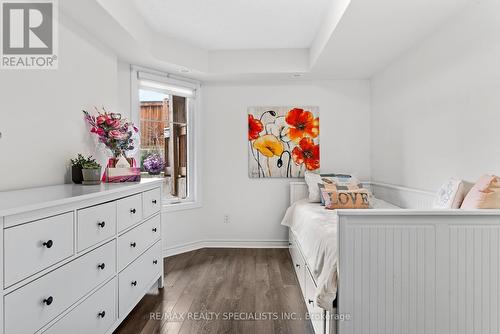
x=355, y=40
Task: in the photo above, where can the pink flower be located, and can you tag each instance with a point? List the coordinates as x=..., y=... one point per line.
x=117, y=134
x=98, y=131
x=114, y=123
x=136, y=129
x=101, y=119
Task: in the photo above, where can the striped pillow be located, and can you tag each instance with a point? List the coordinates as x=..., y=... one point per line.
x=340, y=181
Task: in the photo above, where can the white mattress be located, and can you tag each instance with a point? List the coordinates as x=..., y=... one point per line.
x=316, y=231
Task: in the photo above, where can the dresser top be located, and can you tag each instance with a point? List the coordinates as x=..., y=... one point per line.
x=18, y=201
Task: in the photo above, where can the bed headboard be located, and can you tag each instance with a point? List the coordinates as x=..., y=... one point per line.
x=403, y=197
x=298, y=191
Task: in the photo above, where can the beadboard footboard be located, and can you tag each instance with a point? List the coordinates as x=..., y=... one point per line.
x=415, y=271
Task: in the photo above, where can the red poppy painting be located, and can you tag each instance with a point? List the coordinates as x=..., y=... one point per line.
x=283, y=142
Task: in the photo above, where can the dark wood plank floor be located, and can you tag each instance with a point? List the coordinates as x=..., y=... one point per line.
x=206, y=289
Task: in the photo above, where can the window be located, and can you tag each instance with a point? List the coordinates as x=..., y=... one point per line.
x=165, y=111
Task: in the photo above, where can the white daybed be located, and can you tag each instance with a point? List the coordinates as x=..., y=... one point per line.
x=399, y=270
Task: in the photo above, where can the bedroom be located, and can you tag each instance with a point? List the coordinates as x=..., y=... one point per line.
x=407, y=95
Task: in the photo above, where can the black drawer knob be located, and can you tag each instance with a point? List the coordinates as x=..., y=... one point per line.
x=134, y=283
x=101, y=266
x=48, y=301
x=48, y=243
x=101, y=314
x=297, y=265
x=155, y=261
x=310, y=301
x=102, y=224
x=153, y=201
x=289, y=244
x=133, y=211
x=133, y=244
x=154, y=229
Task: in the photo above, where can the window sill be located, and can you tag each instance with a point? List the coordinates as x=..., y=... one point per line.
x=172, y=207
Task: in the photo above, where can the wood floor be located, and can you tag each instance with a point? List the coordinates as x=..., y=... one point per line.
x=211, y=283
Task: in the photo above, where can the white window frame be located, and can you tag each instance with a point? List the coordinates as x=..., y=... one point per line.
x=181, y=87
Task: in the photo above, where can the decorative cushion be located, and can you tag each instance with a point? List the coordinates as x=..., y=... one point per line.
x=325, y=190
x=313, y=181
x=347, y=199
x=485, y=194
x=450, y=195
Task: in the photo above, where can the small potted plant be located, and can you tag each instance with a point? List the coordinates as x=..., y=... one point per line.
x=154, y=164
x=91, y=171
x=76, y=167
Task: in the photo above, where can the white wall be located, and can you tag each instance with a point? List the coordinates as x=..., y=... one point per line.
x=255, y=206
x=435, y=114
x=42, y=126
x=40, y=110
x=436, y=111
x=124, y=101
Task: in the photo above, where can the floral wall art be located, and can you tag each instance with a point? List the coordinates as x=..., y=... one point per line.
x=283, y=142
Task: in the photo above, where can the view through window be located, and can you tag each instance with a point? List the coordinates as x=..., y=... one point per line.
x=164, y=141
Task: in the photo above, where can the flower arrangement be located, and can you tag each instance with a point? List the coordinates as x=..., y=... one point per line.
x=283, y=133
x=153, y=164
x=114, y=131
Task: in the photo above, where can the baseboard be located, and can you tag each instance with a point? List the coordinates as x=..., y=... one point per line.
x=191, y=246
x=183, y=248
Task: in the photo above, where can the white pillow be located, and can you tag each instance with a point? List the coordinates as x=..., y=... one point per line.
x=312, y=180
x=450, y=195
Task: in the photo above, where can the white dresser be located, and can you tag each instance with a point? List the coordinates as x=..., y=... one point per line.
x=77, y=259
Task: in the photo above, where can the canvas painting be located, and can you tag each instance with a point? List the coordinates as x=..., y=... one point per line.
x=283, y=142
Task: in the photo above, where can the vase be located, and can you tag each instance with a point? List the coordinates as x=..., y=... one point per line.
x=112, y=161
x=122, y=162
x=76, y=174
x=91, y=176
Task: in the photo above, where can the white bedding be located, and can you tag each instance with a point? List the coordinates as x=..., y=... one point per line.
x=316, y=231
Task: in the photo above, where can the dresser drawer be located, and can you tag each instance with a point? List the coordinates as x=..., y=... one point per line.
x=95, y=224
x=151, y=202
x=129, y=211
x=137, y=240
x=32, y=247
x=94, y=315
x=133, y=281
x=32, y=306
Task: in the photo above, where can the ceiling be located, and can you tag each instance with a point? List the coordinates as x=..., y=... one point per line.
x=237, y=40
x=236, y=24
x=372, y=34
